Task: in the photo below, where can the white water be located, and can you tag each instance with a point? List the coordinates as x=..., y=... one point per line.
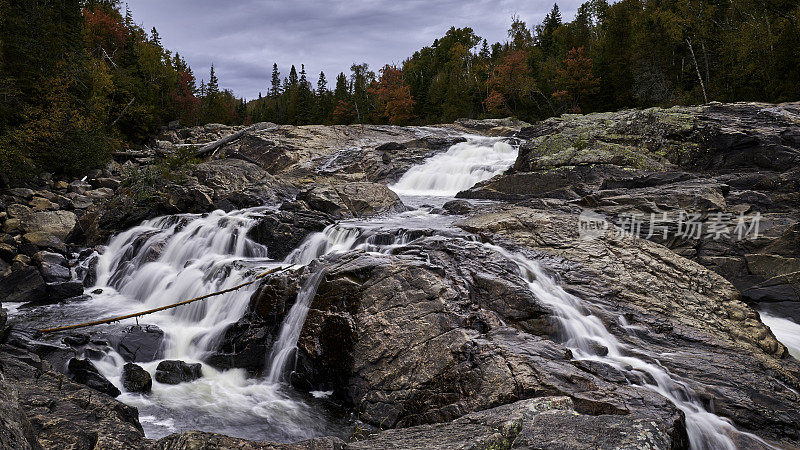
x=284, y=347
x=584, y=332
x=787, y=331
x=460, y=168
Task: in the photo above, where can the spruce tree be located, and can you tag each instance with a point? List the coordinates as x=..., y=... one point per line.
x=322, y=84
x=213, y=82
x=275, y=82
x=292, y=77
x=155, y=37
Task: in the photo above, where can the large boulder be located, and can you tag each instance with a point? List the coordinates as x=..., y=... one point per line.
x=176, y=372
x=358, y=199
x=136, y=379
x=237, y=183
x=409, y=340
x=56, y=412
x=22, y=284
x=137, y=343
x=57, y=223
x=282, y=231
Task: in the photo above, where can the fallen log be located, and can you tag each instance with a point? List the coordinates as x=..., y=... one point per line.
x=162, y=308
x=213, y=146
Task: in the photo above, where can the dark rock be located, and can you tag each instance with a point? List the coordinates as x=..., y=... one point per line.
x=61, y=413
x=23, y=284
x=175, y=372
x=459, y=207
x=76, y=340
x=44, y=240
x=201, y=440
x=137, y=343
x=7, y=252
x=352, y=199
x=59, y=291
x=136, y=379
x=283, y=231
x=84, y=372
x=54, y=273
x=45, y=257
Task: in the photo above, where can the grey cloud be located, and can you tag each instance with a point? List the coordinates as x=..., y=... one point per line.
x=243, y=39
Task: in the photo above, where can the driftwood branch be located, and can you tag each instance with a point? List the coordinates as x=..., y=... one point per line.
x=123, y=111
x=212, y=147
x=162, y=308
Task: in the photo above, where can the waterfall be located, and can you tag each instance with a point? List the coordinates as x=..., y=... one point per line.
x=787, y=331
x=284, y=347
x=460, y=168
x=171, y=258
x=584, y=333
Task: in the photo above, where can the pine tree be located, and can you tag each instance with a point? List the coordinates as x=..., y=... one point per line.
x=322, y=84
x=155, y=37
x=292, y=77
x=213, y=82
x=275, y=90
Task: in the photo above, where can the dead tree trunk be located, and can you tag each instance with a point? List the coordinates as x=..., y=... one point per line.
x=213, y=146
x=697, y=68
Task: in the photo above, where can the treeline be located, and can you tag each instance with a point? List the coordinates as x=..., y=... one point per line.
x=79, y=80
x=633, y=53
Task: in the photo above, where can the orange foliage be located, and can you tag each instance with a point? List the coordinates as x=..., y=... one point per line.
x=394, y=96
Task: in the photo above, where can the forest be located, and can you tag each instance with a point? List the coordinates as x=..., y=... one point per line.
x=84, y=80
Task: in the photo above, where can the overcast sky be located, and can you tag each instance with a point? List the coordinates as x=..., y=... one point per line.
x=243, y=38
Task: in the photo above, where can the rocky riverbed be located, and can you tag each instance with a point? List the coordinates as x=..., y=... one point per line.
x=604, y=291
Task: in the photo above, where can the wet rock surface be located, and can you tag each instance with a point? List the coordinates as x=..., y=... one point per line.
x=441, y=343
x=175, y=372
x=725, y=163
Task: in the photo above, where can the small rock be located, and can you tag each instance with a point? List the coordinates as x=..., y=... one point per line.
x=18, y=211
x=79, y=187
x=7, y=252
x=136, y=379
x=138, y=343
x=44, y=240
x=459, y=207
x=61, y=185
x=80, y=202
x=21, y=259
x=84, y=372
x=76, y=340
x=64, y=290
x=13, y=226
x=50, y=258
x=99, y=193
x=23, y=193
x=175, y=372
x=53, y=273
x=109, y=183
x=42, y=204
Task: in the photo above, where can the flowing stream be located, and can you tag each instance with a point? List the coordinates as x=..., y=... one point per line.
x=178, y=257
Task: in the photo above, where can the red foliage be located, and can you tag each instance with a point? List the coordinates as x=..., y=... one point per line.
x=394, y=96
x=187, y=104
x=513, y=76
x=496, y=104
x=576, y=79
x=343, y=113
x=104, y=30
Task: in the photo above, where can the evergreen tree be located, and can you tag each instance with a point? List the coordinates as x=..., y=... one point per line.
x=275, y=89
x=155, y=37
x=213, y=83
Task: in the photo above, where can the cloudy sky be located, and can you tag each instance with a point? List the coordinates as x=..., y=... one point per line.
x=243, y=38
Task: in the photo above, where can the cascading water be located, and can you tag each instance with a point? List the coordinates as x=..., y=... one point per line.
x=787, y=331
x=584, y=333
x=460, y=168
x=285, y=346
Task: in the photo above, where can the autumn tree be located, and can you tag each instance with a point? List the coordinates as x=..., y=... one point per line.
x=394, y=102
x=575, y=80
